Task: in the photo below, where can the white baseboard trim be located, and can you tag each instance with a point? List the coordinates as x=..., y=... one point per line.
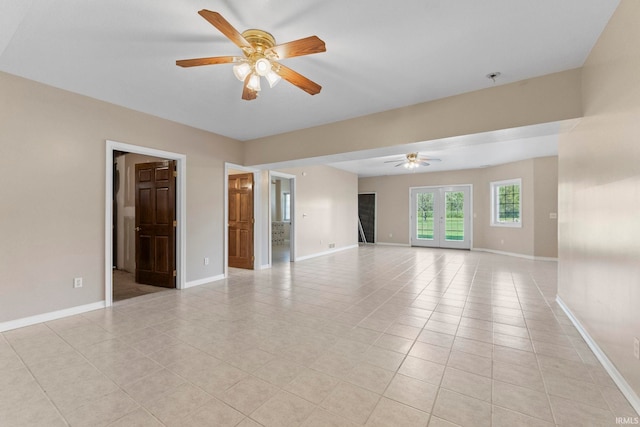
x=332, y=251
x=616, y=376
x=514, y=254
x=204, y=281
x=393, y=244
x=47, y=317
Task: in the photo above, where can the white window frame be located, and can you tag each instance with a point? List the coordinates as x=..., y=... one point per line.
x=286, y=211
x=494, y=188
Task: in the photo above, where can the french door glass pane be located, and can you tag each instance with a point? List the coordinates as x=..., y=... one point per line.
x=424, y=216
x=454, y=215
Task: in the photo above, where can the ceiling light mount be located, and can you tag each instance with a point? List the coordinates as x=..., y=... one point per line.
x=493, y=76
x=260, y=40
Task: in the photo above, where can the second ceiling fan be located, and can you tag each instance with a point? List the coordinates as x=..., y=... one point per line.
x=412, y=161
x=261, y=56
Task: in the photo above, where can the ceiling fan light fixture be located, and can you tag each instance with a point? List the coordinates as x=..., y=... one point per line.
x=241, y=71
x=262, y=66
x=273, y=78
x=254, y=82
x=259, y=49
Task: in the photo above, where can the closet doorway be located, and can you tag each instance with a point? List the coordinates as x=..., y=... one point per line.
x=281, y=199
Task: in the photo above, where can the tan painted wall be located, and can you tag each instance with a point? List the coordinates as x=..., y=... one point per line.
x=52, y=146
x=392, y=194
x=545, y=196
x=393, y=205
x=539, y=100
x=326, y=209
x=599, y=193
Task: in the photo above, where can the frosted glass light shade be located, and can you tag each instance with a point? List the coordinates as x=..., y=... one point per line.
x=254, y=82
x=272, y=78
x=241, y=71
x=263, y=66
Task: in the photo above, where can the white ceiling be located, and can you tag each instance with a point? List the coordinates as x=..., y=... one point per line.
x=380, y=55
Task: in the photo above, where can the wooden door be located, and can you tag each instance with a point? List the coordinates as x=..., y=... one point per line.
x=155, y=223
x=241, y=221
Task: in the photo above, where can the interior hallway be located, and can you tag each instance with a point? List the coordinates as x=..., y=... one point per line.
x=378, y=335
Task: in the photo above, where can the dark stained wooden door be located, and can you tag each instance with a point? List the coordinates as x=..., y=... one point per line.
x=241, y=221
x=155, y=223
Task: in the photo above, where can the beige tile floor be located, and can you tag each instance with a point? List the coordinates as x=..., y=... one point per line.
x=376, y=336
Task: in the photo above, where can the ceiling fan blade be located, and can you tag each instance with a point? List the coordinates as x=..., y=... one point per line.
x=429, y=159
x=399, y=164
x=226, y=28
x=394, y=161
x=298, y=79
x=306, y=46
x=424, y=163
x=248, y=94
x=205, y=61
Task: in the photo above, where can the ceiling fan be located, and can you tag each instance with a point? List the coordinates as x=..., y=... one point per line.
x=260, y=57
x=412, y=161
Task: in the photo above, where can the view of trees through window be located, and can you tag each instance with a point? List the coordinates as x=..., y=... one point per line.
x=509, y=203
x=454, y=215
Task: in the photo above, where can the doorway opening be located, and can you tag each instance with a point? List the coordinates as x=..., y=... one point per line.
x=367, y=218
x=144, y=234
x=281, y=200
x=441, y=217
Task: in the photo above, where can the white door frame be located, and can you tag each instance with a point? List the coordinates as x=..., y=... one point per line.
x=292, y=232
x=257, y=213
x=181, y=211
x=468, y=213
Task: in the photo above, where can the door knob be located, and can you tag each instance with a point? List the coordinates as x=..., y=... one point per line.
x=138, y=228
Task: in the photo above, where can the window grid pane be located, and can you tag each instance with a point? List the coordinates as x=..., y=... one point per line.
x=454, y=215
x=424, y=214
x=508, y=203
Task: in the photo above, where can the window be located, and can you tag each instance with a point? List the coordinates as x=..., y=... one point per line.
x=506, y=207
x=286, y=206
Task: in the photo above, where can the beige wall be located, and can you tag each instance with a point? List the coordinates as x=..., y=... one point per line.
x=545, y=196
x=549, y=98
x=52, y=147
x=599, y=193
x=537, y=237
x=326, y=209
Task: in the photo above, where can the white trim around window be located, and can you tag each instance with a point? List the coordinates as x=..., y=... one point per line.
x=495, y=187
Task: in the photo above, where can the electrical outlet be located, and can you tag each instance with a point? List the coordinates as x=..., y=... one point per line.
x=332, y=245
x=636, y=348
x=77, y=282
x=206, y=260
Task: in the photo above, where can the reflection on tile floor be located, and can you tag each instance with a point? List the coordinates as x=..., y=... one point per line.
x=376, y=336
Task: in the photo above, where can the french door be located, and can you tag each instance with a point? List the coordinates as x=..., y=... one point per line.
x=440, y=217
